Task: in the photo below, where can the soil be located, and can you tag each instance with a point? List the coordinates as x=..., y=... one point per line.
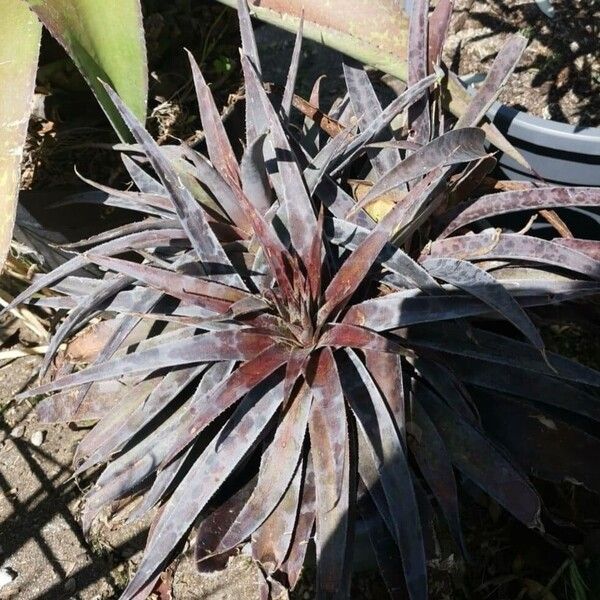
x=559, y=74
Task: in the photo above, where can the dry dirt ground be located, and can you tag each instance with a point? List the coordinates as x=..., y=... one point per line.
x=558, y=76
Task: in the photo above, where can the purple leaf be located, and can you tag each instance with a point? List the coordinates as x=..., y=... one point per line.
x=272, y=541
x=493, y=245
x=453, y=147
x=290, y=83
x=381, y=435
x=530, y=199
x=278, y=465
x=191, y=215
x=206, y=347
x=502, y=67
x=203, y=479
x=478, y=459
x=488, y=289
x=328, y=420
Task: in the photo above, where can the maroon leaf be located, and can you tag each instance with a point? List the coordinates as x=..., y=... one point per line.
x=332, y=524
x=304, y=527
x=328, y=420
x=278, y=466
x=219, y=149
x=203, y=479
x=272, y=540
x=439, y=22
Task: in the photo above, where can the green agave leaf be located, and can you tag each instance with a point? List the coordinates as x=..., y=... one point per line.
x=105, y=39
x=20, y=34
x=372, y=31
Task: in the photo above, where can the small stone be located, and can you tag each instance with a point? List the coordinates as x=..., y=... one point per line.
x=37, y=439
x=574, y=46
x=7, y=576
x=17, y=432
x=70, y=585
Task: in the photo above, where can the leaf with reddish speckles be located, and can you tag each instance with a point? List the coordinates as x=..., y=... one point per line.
x=191, y=215
x=211, y=530
x=204, y=478
x=195, y=290
x=502, y=68
x=419, y=119
x=383, y=439
x=245, y=378
x=488, y=289
x=342, y=335
x=492, y=245
x=352, y=272
x=475, y=456
x=350, y=235
x=411, y=307
x=206, y=347
x=328, y=420
x=65, y=407
x=333, y=515
x=590, y=248
x=366, y=105
x=278, y=465
x=169, y=387
x=492, y=205
x=167, y=476
x=386, y=370
x=219, y=149
x=302, y=531
x=272, y=540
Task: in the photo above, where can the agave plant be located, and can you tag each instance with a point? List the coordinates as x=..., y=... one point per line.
x=283, y=354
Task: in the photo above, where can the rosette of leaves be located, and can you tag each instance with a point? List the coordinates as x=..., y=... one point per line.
x=280, y=358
